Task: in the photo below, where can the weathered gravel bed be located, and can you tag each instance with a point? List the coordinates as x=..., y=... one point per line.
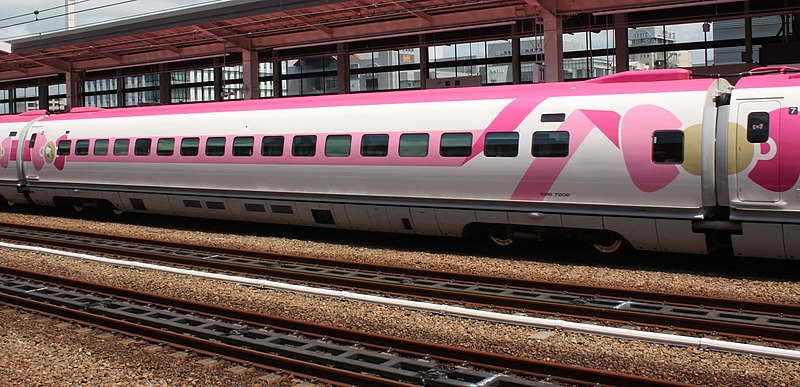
x=654, y=281
x=689, y=365
x=37, y=351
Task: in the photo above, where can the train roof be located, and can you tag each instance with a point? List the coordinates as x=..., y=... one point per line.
x=770, y=77
x=652, y=81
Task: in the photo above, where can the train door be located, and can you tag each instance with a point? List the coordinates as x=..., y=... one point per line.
x=758, y=144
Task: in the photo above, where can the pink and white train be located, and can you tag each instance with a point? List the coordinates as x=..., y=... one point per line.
x=657, y=158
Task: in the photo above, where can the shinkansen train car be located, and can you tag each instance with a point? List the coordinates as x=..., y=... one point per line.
x=764, y=164
x=630, y=157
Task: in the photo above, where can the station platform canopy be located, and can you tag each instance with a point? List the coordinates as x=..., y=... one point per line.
x=254, y=25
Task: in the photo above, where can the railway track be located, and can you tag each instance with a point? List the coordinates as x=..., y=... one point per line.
x=333, y=355
x=740, y=319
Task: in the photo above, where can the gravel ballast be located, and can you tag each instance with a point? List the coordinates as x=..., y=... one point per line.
x=690, y=365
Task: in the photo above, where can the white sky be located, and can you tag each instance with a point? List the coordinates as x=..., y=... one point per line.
x=12, y=27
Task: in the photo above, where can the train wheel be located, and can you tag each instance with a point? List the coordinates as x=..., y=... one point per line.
x=502, y=242
x=610, y=246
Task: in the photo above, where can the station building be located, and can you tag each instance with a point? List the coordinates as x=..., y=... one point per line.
x=251, y=49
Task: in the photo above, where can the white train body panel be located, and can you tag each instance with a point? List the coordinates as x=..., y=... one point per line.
x=633, y=153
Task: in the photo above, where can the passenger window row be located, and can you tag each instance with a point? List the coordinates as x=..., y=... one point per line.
x=667, y=145
x=497, y=144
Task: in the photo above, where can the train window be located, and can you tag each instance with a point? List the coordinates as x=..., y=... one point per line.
x=63, y=147
x=82, y=148
x=551, y=144
x=142, y=146
x=215, y=146
x=414, y=145
x=252, y=207
x=272, y=146
x=668, y=147
x=553, y=117
x=190, y=146
x=281, y=209
x=501, y=144
x=192, y=204
x=758, y=127
x=101, y=147
x=243, y=146
x=456, y=145
x=32, y=141
x=165, y=147
x=304, y=146
x=121, y=147
x=337, y=145
x=375, y=145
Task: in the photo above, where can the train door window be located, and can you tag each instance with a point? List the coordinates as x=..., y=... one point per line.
x=63, y=147
x=304, y=146
x=272, y=146
x=32, y=141
x=550, y=144
x=142, y=146
x=758, y=127
x=215, y=146
x=456, y=145
x=414, y=144
x=668, y=147
x=82, y=148
x=190, y=146
x=101, y=147
x=375, y=145
x=121, y=147
x=338, y=145
x=165, y=147
x=243, y=146
x=501, y=144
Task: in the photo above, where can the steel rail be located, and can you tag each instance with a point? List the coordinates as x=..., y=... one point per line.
x=693, y=324
x=565, y=287
x=496, y=362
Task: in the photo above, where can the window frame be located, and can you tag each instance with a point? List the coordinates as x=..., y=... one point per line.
x=238, y=150
x=665, y=160
x=164, y=152
x=312, y=146
x=215, y=150
x=536, y=152
x=375, y=150
x=118, y=147
x=328, y=151
x=190, y=150
x=95, y=147
x=400, y=149
x=84, y=147
x=455, y=151
x=279, y=146
x=64, y=150
x=494, y=151
x=138, y=151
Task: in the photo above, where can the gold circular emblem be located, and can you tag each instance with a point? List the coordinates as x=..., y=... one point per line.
x=49, y=152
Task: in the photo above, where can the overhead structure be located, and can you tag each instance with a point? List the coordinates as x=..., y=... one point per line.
x=253, y=31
